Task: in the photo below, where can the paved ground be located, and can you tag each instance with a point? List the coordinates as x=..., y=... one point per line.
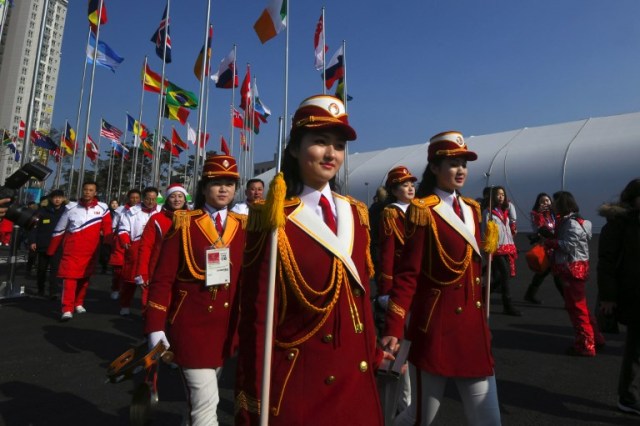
x=53, y=373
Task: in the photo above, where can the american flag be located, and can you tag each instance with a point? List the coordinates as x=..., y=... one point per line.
x=110, y=132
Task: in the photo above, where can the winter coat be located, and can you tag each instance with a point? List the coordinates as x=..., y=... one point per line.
x=619, y=261
x=571, y=247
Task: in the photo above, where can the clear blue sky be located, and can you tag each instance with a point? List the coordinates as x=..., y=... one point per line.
x=415, y=68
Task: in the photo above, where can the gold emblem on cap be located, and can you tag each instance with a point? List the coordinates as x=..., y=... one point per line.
x=225, y=164
x=334, y=108
x=459, y=140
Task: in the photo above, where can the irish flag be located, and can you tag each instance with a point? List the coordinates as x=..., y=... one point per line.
x=272, y=20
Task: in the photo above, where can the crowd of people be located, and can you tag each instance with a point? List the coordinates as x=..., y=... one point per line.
x=428, y=255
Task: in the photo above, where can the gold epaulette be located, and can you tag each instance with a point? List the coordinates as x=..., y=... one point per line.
x=242, y=218
x=182, y=218
x=363, y=211
x=475, y=205
x=418, y=212
x=389, y=216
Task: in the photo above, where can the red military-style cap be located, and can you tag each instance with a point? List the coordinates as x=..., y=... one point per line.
x=322, y=112
x=449, y=144
x=220, y=166
x=397, y=175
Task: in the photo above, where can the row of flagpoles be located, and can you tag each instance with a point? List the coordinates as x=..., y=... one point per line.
x=176, y=103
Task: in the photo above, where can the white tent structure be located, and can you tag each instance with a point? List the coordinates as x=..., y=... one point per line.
x=593, y=159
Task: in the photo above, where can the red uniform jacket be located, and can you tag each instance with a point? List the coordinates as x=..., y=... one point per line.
x=78, y=230
x=151, y=243
x=438, y=280
x=117, y=251
x=129, y=232
x=391, y=238
x=324, y=354
x=201, y=322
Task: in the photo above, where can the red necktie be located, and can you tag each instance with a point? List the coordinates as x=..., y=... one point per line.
x=457, y=209
x=218, y=222
x=328, y=214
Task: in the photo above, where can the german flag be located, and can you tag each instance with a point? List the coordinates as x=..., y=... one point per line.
x=94, y=15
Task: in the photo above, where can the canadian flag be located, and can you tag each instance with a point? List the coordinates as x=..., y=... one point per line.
x=21, y=130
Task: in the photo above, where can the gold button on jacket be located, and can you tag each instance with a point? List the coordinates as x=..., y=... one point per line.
x=459, y=310
x=329, y=380
x=364, y=366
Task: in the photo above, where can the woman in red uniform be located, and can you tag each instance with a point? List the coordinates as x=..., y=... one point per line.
x=324, y=348
x=438, y=283
x=155, y=230
x=193, y=293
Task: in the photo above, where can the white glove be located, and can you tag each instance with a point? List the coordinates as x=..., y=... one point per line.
x=138, y=280
x=158, y=336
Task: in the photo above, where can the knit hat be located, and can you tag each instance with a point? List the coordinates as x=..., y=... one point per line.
x=176, y=187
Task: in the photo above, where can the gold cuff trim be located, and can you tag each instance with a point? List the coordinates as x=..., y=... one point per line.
x=397, y=309
x=154, y=305
x=247, y=403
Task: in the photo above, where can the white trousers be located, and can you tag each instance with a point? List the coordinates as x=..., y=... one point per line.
x=479, y=399
x=202, y=395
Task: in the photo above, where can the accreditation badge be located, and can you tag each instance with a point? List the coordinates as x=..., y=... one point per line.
x=218, y=266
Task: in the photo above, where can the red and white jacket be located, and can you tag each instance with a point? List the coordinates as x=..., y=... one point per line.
x=78, y=230
x=151, y=243
x=130, y=230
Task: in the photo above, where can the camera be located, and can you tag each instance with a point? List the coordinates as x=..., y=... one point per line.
x=23, y=217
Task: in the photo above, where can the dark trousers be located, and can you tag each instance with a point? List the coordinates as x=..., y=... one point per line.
x=629, y=383
x=49, y=263
x=501, y=273
x=539, y=277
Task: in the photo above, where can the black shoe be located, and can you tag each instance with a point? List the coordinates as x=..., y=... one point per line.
x=529, y=297
x=629, y=408
x=510, y=310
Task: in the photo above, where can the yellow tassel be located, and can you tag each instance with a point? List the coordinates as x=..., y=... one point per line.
x=275, y=203
x=491, y=237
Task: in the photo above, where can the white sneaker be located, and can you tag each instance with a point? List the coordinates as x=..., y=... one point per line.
x=66, y=316
x=115, y=295
x=80, y=309
x=125, y=312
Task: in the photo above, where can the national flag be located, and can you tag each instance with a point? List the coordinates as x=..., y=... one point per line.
x=197, y=67
x=255, y=123
x=168, y=146
x=69, y=139
x=6, y=137
x=14, y=149
x=340, y=91
x=43, y=141
x=120, y=149
x=238, y=120
x=245, y=90
x=109, y=131
x=137, y=128
x=162, y=36
x=226, y=77
x=259, y=107
x=92, y=149
x=335, y=69
x=56, y=154
x=21, y=130
x=94, y=14
x=243, y=141
x=152, y=80
x=177, y=96
x=178, y=113
x=272, y=20
x=318, y=42
x=223, y=146
x=106, y=56
x=177, y=141
x=191, y=135
x=147, y=149
x=204, y=139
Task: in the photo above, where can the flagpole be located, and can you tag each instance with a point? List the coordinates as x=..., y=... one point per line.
x=61, y=156
x=138, y=138
x=75, y=143
x=233, y=92
x=155, y=174
x=324, y=54
x=207, y=91
x=203, y=75
x=344, y=100
x=88, y=116
x=170, y=159
x=126, y=133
